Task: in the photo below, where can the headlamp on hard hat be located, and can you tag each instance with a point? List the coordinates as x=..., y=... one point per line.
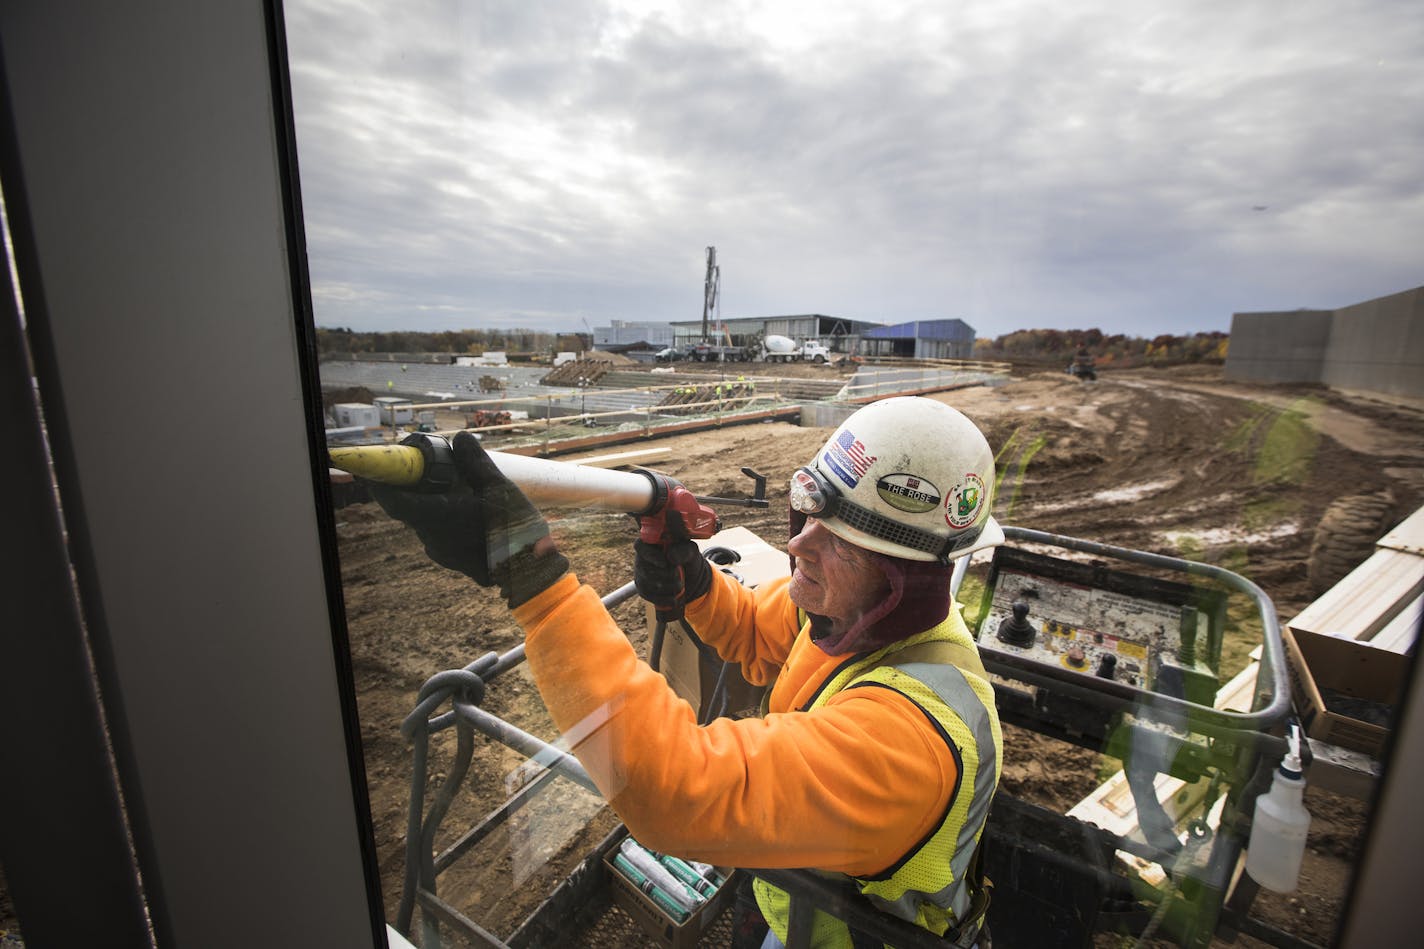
x=812, y=494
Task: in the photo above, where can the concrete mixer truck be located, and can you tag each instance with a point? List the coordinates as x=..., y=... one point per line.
x=784, y=349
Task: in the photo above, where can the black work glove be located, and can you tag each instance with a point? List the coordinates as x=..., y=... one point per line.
x=672, y=574
x=484, y=526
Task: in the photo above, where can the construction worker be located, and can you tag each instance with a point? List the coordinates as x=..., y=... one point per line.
x=879, y=750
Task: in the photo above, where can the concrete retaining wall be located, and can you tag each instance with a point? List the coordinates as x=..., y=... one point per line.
x=1287, y=346
x=1378, y=345
x=1375, y=346
x=826, y=414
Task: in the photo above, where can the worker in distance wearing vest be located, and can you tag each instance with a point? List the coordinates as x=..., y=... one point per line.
x=879, y=750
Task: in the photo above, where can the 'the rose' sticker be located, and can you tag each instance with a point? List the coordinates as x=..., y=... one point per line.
x=963, y=503
x=908, y=493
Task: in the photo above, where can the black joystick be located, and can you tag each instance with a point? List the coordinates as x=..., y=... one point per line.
x=1017, y=630
x=1107, y=666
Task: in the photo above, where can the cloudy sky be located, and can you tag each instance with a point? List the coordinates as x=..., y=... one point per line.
x=1142, y=167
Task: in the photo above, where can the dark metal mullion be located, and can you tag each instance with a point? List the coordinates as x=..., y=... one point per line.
x=284, y=128
x=52, y=721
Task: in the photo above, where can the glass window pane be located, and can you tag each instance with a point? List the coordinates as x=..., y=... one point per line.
x=697, y=238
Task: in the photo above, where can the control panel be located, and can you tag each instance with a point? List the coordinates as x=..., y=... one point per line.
x=1087, y=619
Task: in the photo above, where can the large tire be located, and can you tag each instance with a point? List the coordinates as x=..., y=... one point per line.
x=1346, y=536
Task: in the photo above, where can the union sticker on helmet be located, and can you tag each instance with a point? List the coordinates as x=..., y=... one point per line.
x=963, y=503
x=908, y=493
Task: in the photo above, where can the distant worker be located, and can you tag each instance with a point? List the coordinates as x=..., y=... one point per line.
x=879, y=751
x=1083, y=365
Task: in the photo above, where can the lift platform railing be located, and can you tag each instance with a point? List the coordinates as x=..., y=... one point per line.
x=1237, y=751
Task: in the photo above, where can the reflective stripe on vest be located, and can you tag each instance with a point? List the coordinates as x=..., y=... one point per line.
x=927, y=885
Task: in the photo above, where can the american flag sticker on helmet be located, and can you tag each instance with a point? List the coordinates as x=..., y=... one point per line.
x=846, y=456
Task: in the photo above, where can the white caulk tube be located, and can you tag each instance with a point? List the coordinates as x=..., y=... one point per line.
x=1279, y=828
x=562, y=484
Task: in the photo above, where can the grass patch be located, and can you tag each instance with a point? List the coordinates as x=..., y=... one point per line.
x=1019, y=467
x=1282, y=442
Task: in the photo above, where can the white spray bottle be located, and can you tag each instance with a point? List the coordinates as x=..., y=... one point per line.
x=1279, y=828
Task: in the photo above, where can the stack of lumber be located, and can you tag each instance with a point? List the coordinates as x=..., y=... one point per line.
x=1380, y=601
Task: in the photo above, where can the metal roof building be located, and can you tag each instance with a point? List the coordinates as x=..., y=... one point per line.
x=922, y=339
x=631, y=334
x=836, y=332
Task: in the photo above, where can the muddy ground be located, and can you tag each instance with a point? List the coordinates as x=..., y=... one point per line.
x=1171, y=461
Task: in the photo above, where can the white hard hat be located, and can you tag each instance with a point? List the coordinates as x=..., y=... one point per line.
x=907, y=477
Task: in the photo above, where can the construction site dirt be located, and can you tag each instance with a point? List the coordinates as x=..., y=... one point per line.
x=1174, y=461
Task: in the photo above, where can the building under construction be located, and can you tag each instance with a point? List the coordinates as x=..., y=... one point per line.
x=921, y=339
x=840, y=334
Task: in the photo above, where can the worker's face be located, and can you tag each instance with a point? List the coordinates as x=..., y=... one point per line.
x=834, y=578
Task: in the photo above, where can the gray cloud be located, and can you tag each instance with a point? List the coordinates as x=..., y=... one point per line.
x=1014, y=165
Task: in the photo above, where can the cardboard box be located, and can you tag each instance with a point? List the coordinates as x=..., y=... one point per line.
x=1329, y=675
x=682, y=661
x=693, y=676
x=663, y=929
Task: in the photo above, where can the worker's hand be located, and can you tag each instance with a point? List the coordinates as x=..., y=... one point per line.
x=484, y=526
x=673, y=574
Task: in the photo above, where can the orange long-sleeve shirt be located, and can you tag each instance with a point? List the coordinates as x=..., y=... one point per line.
x=848, y=787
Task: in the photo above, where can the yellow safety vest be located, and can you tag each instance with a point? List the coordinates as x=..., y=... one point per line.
x=939, y=670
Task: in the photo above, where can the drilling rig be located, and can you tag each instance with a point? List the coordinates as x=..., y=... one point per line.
x=711, y=286
x=706, y=349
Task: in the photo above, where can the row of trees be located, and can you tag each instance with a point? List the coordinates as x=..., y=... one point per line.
x=1118, y=349
x=469, y=342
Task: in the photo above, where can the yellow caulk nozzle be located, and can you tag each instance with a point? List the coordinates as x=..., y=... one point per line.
x=388, y=464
